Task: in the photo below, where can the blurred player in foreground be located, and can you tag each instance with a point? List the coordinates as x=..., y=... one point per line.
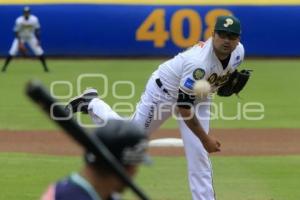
x=96, y=180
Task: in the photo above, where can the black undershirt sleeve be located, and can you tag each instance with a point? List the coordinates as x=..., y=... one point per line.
x=185, y=100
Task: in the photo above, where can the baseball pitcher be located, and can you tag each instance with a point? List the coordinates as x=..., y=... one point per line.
x=170, y=91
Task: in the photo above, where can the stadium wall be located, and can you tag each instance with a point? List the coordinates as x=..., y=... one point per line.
x=152, y=30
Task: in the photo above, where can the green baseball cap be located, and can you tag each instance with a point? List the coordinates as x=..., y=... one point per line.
x=229, y=24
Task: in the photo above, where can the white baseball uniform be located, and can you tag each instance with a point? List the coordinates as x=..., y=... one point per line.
x=26, y=32
x=159, y=99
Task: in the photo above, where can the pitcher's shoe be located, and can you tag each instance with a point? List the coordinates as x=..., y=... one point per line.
x=80, y=103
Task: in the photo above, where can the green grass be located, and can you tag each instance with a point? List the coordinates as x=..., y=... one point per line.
x=257, y=178
x=26, y=176
x=246, y=178
x=274, y=83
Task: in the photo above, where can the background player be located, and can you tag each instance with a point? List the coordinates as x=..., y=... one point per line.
x=27, y=30
x=171, y=86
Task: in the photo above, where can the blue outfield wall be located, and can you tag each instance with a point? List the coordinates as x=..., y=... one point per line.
x=147, y=30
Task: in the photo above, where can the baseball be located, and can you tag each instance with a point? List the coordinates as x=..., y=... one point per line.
x=202, y=88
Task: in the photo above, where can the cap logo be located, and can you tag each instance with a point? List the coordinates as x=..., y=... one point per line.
x=228, y=22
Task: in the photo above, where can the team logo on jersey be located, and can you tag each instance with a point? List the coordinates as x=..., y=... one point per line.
x=212, y=78
x=216, y=80
x=228, y=22
x=198, y=74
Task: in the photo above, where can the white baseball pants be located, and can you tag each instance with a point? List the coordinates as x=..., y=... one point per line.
x=154, y=108
x=32, y=42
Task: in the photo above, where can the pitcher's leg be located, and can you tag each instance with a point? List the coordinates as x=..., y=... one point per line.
x=199, y=165
x=150, y=115
x=100, y=111
x=153, y=109
x=150, y=112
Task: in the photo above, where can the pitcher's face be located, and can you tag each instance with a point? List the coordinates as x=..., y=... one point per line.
x=225, y=42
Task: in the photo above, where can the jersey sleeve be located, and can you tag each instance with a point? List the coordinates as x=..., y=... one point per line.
x=240, y=54
x=191, y=73
x=17, y=26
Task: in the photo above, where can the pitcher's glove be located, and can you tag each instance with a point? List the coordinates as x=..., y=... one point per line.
x=235, y=84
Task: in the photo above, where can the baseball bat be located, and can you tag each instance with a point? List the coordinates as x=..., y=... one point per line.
x=41, y=96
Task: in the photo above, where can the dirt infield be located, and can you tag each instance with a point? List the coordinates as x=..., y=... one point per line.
x=249, y=142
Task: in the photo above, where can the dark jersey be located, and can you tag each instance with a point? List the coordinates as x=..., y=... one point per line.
x=74, y=187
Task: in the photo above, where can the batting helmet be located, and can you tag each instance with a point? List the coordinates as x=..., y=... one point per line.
x=124, y=139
